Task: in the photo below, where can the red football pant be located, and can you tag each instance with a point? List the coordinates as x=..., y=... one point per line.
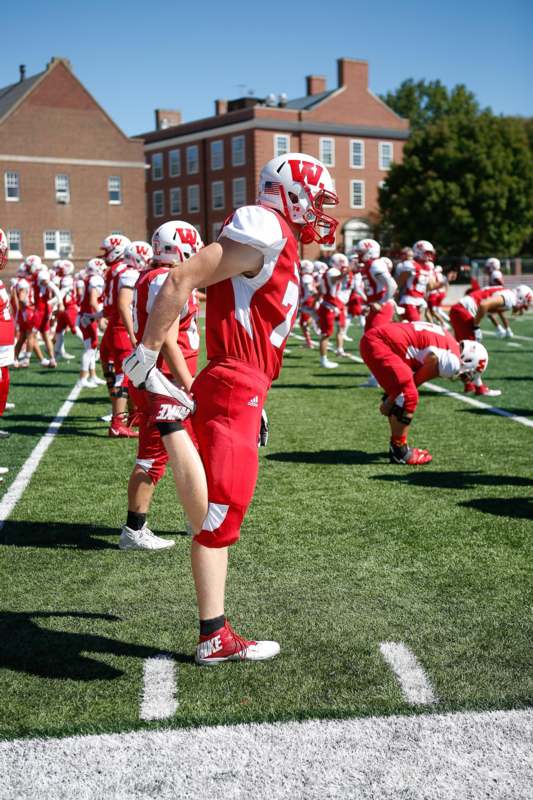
x=4, y=388
x=230, y=395
x=90, y=334
x=391, y=372
x=462, y=322
x=412, y=313
x=376, y=319
x=67, y=319
x=106, y=354
x=327, y=318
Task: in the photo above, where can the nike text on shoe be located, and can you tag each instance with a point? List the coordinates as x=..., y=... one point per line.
x=144, y=539
x=226, y=645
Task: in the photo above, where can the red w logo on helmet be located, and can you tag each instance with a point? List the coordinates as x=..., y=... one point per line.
x=187, y=235
x=115, y=241
x=306, y=172
x=142, y=249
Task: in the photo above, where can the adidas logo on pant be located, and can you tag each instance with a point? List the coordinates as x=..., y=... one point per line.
x=254, y=402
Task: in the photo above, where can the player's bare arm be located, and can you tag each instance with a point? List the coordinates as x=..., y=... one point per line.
x=428, y=371
x=488, y=306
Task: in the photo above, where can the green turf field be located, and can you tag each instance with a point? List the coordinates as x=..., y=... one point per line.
x=340, y=552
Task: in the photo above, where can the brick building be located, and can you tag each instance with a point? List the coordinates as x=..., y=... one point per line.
x=201, y=170
x=70, y=175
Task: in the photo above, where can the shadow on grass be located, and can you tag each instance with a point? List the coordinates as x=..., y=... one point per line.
x=28, y=647
x=512, y=507
x=327, y=457
x=57, y=535
x=313, y=386
x=453, y=480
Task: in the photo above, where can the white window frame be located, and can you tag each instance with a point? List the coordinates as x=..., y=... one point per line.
x=216, y=228
x=218, y=194
x=158, y=196
x=113, y=182
x=216, y=159
x=62, y=184
x=381, y=147
x=175, y=208
x=238, y=160
x=174, y=160
x=321, y=157
x=14, y=252
x=12, y=181
x=353, y=165
x=193, y=159
x=278, y=138
x=158, y=169
x=62, y=241
x=190, y=207
x=362, y=190
x=238, y=186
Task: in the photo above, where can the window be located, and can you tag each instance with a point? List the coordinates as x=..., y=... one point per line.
x=357, y=154
x=327, y=152
x=192, y=159
x=217, y=227
x=62, y=189
x=14, y=240
x=217, y=154
x=238, y=151
x=157, y=166
x=114, y=190
x=239, y=192
x=174, y=163
x=193, y=198
x=357, y=198
x=158, y=203
x=11, y=180
x=385, y=155
x=57, y=244
x=217, y=195
x=282, y=144
x=175, y=201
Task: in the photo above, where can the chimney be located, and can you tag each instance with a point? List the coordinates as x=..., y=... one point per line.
x=166, y=118
x=353, y=73
x=22, y=70
x=221, y=107
x=315, y=84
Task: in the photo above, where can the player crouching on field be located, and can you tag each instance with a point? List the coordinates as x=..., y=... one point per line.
x=402, y=357
x=173, y=243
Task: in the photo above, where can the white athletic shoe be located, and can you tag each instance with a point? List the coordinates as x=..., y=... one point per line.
x=327, y=364
x=144, y=539
x=348, y=338
x=85, y=383
x=4, y=434
x=67, y=356
x=509, y=334
x=45, y=362
x=97, y=381
x=10, y=406
x=371, y=383
x=340, y=351
x=500, y=332
x=4, y=470
x=107, y=418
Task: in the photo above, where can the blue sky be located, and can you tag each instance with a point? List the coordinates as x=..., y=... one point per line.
x=136, y=56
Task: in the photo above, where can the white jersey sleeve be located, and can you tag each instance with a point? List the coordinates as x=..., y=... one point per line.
x=128, y=279
x=255, y=226
x=154, y=289
x=405, y=266
x=95, y=282
x=449, y=364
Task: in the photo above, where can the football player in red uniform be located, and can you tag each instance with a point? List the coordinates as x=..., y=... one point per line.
x=331, y=315
x=252, y=280
x=7, y=337
x=46, y=294
x=90, y=291
x=308, y=299
x=415, y=279
x=66, y=319
x=173, y=244
x=493, y=270
x=402, y=357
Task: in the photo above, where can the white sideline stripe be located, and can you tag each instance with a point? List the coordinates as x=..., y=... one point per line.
x=437, y=756
x=18, y=487
x=414, y=682
x=159, y=688
x=464, y=399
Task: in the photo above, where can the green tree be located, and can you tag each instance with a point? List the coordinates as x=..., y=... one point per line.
x=466, y=183
x=423, y=102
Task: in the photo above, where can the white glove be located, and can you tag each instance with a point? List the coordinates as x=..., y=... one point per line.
x=138, y=365
x=168, y=402
x=478, y=335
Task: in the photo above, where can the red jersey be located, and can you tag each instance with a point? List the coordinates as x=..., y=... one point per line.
x=471, y=301
x=68, y=291
x=376, y=281
x=7, y=327
x=121, y=276
x=189, y=335
x=250, y=318
x=110, y=289
x=420, y=273
x=88, y=283
x=332, y=291
x=412, y=341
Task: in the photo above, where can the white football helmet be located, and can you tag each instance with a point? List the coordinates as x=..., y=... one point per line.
x=95, y=266
x=339, y=260
x=44, y=276
x=524, y=296
x=367, y=250
x=114, y=246
x=33, y=264
x=306, y=267
x=492, y=264
x=65, y=267
x=299, y=187
x=319, y=267
x=4, y=249
x=474, y=358
x=424, y=251
x=139, y=255
x=175, y=241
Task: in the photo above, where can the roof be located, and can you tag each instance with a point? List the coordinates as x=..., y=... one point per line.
x=310, y=100
x=10, y=95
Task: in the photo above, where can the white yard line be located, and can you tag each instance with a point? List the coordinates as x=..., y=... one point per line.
x=414, y=683
x=18, y=487
x=159, y=688
x=509, y=341
x=437, y=756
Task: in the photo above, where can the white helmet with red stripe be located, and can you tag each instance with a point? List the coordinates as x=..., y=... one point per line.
x=44, y=276
x=424, y=251
x=4, y=249
x=524, y=296
x=474, y=358
x=95, y=266
x=64, y=267
x=368, y=250
x=114, y=246
x=340, y=261
x=492, y=264
x=300, y=187
x=306, y=267
x=139, y=255
x=33, y=264
x=176, y=241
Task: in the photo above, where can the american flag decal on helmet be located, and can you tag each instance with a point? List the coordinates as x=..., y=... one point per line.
x=271, y=187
